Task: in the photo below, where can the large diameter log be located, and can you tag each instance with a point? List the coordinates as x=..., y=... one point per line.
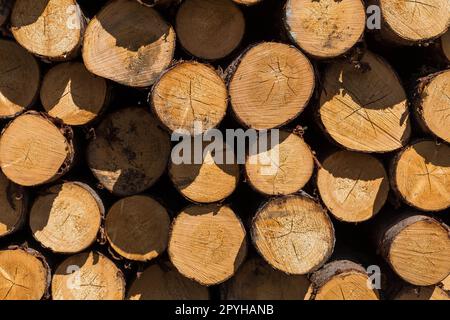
x=325, y=28
x=417, y=247
x=35, y=150
x=19, y=79
x=163, y=282
x=66, y=217
x=342, y=280
x=256, y=280
x=88, y=276
x=5, y=10
x=207, y=243
x=353, y=186
x=129, y=151
x=270, y=85
x=137, y=228
x=128, y=43
x=283, y=168
x=71, y=93
x=209, y=29
x=51, y=29
x=188, y=95
x=419, y=175
x=13, y=206
x=25, y=275
x=432, y=107
x=364, y=109
x=422, y=293
x=293, y=234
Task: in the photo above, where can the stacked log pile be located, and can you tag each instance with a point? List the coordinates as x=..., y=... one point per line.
x=95, y=204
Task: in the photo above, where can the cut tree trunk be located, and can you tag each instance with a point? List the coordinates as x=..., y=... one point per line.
x=190, y=95
x=209, y=29
x=13, y=206
x=353, y=186
x=293, y=234
x=51, y=29
x=207, y=243
x=342, y=280
x=137, y=228
x=327, y=28
x=256, y=280
x=270, y=84
x=422, y=293
x=25, y=274
x=419, y=175
x=432, y=105
x=35, y=150
x=66, y=218
x=283, y=168
x=417, y=247
x=364, y=109
x=128, y=43
x=71, y=93
x=129, y=151
x=5, y=10
x=19, y=79
x=164, y=282
x=88, y=276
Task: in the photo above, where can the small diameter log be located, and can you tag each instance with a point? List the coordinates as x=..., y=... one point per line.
x=283, y=169
x=432, y=108
x=66, y=217
x=71, y=93
x=129, y=151
x=165, y=283
x=364, y=109
x=256, y=280
x=353, y=186
x=128, y=43
x=417, y=247
x=19, y=79
x=342, y=280
x=25, y=275
x=209, y=29
x=271, y=85
x=5, y=10
x=188, y=95
x=35, y=150
x=325, y=28
x=248, y=2
x=207, y=243
x=419, y=175
x=422, y=293
x=137, y=228
x=293, y=234
x=51, y=29
x=88, y=276
x=13, y=206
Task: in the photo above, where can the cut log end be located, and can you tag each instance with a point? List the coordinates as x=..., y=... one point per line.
x=422, y=293
x=165, y=283
x=128, y=43
x=364, y=109
x=67, y=217
x=419, y=175
x=207, y=243
x=293, y=234
x=137, y=228
x=52, y=29
x=70, y=93
x=129, y=152
x=13, y=206
x=209, y=29
x=19, y=79
x=88, y=276
x=271, y=86
x=256, y=280
x=325, y=29
x=353, y=186
x=283, y=169
x=33, y=150
x=188, y=95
